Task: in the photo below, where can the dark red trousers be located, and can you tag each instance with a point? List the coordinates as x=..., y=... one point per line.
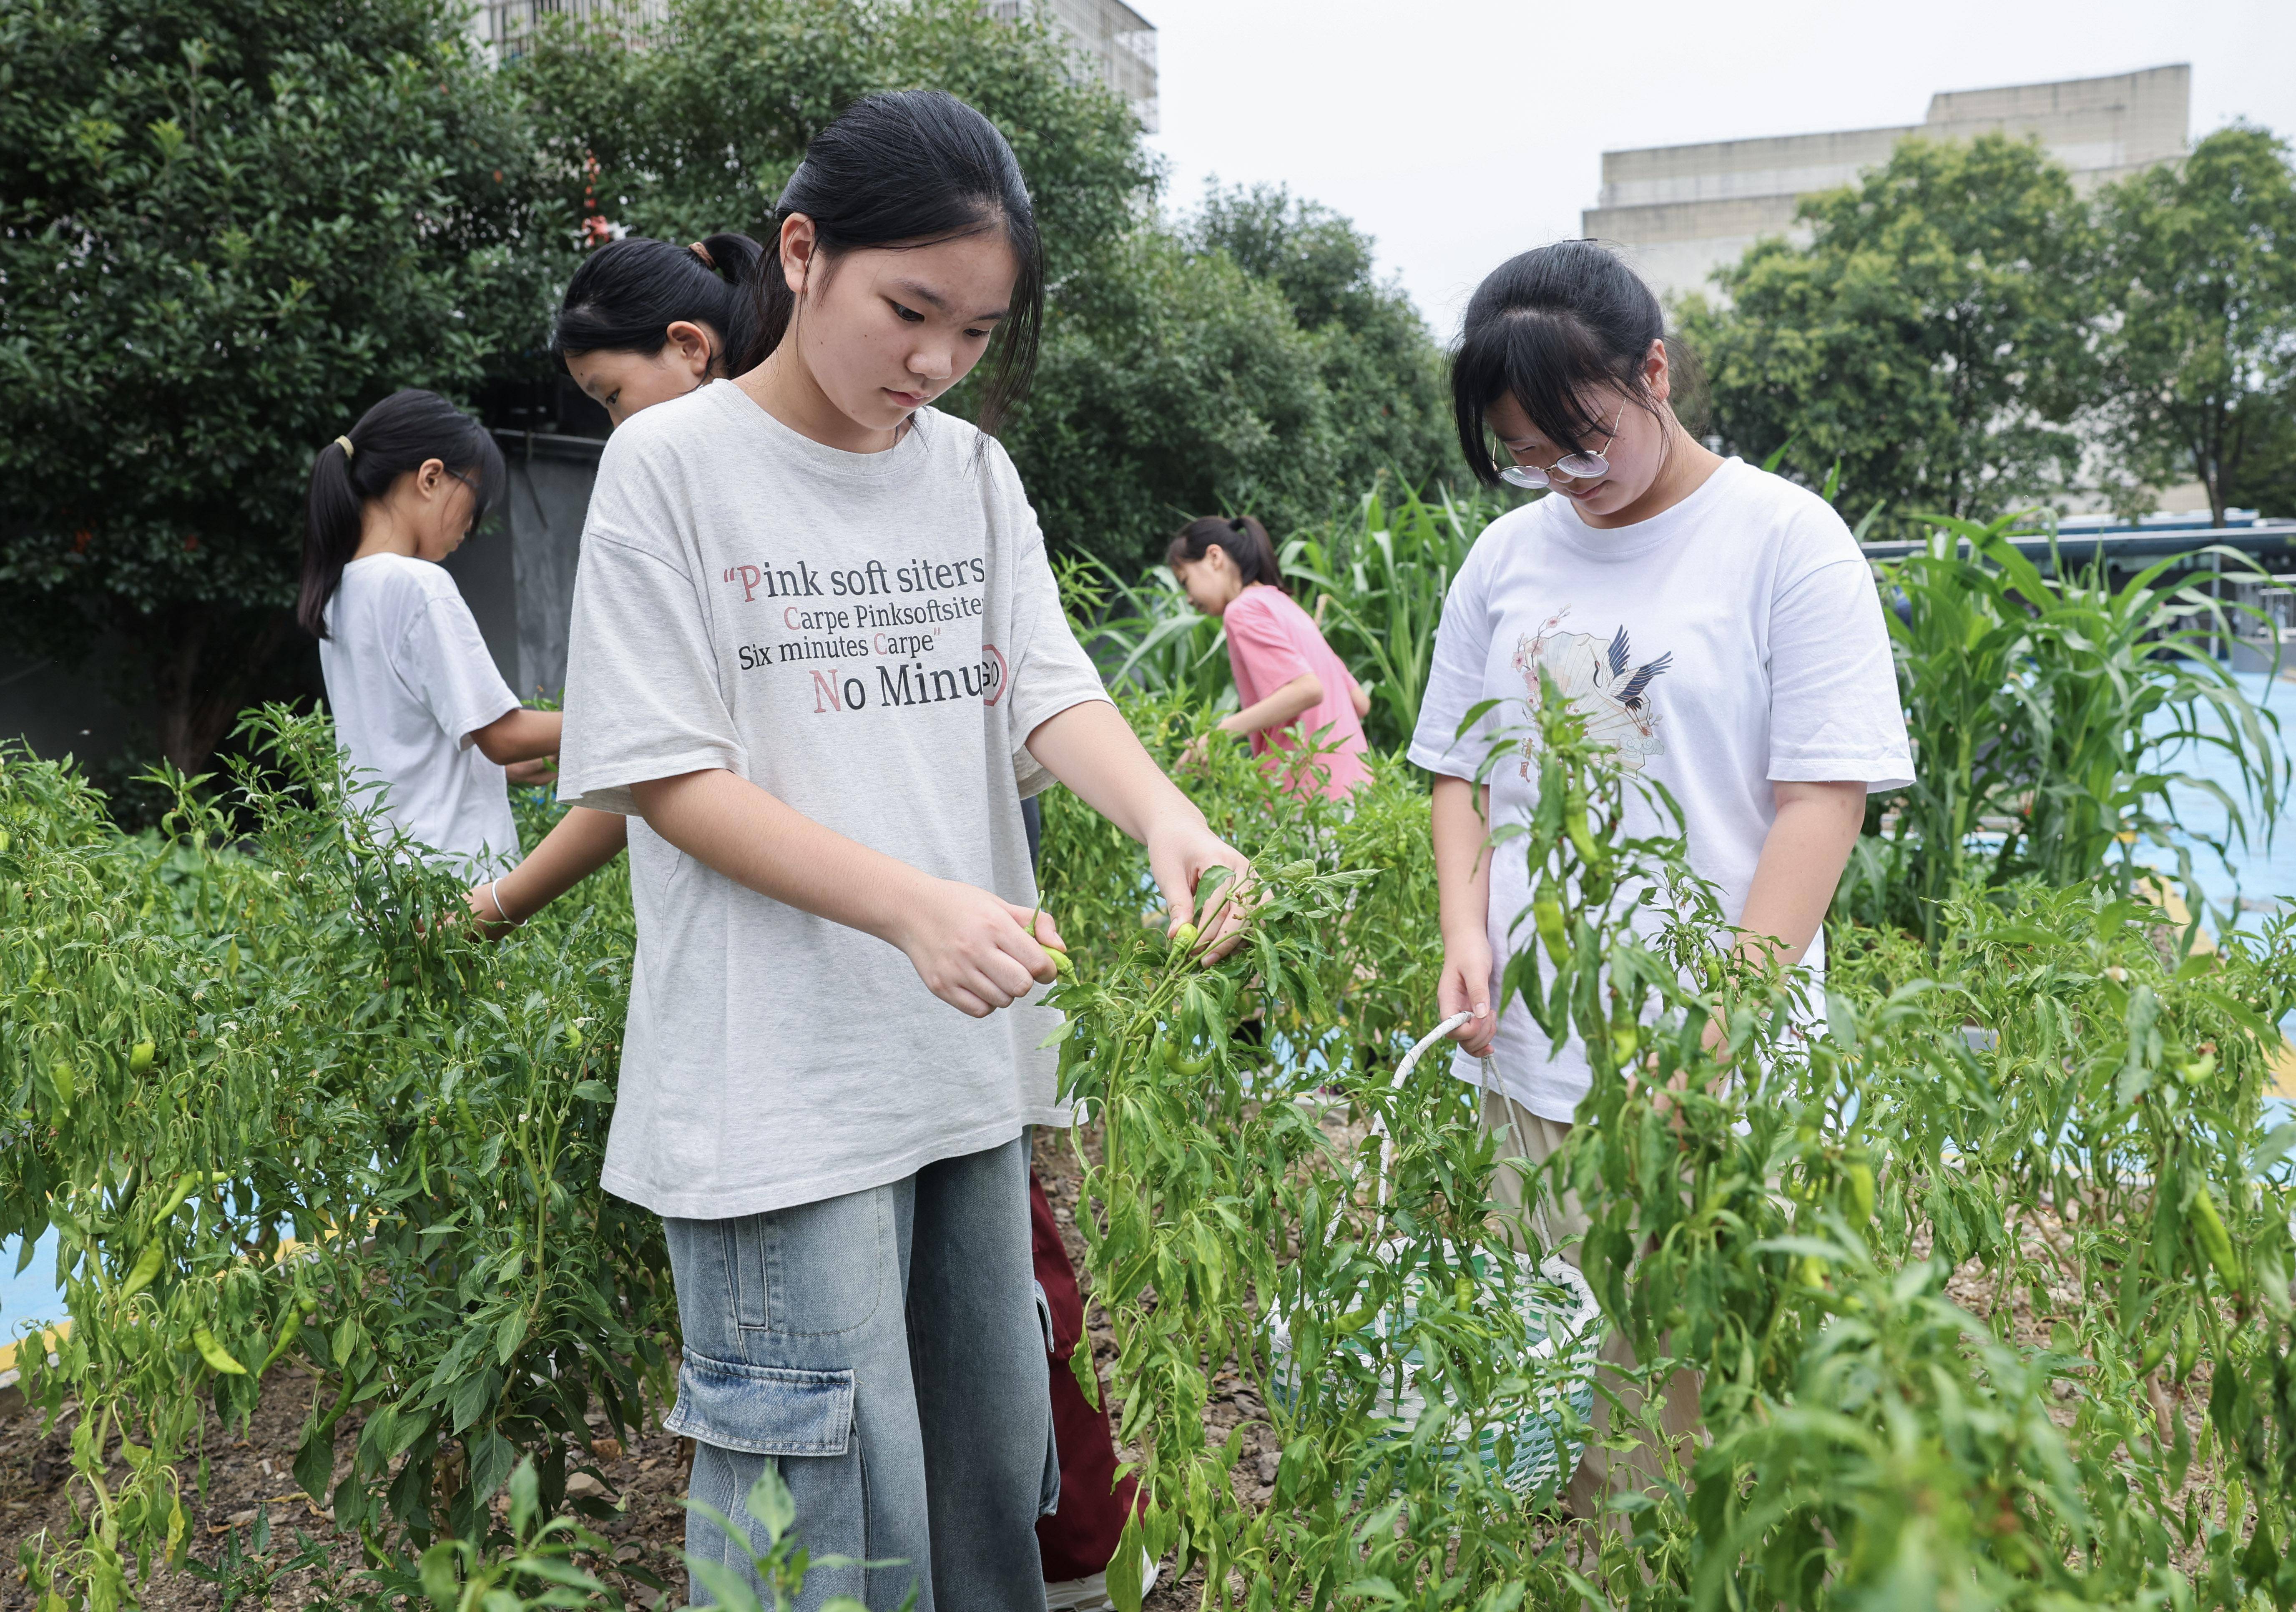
x=1079, y=1539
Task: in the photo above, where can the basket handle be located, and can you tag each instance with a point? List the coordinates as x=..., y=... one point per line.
x=1403, y=1073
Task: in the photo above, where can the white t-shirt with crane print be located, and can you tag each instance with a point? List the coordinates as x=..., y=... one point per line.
x=1732, y=642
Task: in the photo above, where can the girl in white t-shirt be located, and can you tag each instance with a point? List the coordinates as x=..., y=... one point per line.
x=1716, y=624
x=643, y=321
x=817, y=647
x=426, y=723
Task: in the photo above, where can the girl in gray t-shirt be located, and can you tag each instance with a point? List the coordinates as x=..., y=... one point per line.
x=817, y=658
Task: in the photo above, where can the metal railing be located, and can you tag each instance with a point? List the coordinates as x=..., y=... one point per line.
x=504, y=26
x=1119, y=42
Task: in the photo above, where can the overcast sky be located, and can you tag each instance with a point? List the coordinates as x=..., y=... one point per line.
x=1458, y=132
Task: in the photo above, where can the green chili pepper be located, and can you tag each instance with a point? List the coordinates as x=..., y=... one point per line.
x=140, y=1275
x=1860, y=1177
x=2188, y=1346
x=140, y=1056
x=214, y=1353
x=2156, y=1349
x=2215, y=1243
x=1574, y=824
x=1184, y=937
x=1546, y=913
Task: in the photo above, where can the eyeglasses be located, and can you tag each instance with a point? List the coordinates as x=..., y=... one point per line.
x=470, y=525
x=1579, y=467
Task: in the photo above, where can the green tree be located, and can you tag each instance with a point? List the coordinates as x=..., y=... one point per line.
x=697, y=130
x=1930, y=336
x=1245, y=358
x=230, y=225
x=2199, y=272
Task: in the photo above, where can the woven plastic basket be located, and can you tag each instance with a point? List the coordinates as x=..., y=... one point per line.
x=1563, y=1329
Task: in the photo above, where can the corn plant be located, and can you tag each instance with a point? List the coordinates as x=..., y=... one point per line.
x=2030, y=701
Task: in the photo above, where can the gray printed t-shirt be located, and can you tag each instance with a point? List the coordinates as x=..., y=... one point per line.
x=870, y=638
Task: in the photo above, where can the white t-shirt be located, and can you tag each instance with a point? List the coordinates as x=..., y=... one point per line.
x=1733, y=640
x=870, y=638
x=409, y=679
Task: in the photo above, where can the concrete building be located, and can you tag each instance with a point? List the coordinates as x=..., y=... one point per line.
x=1682, y=211
x=1117, y=42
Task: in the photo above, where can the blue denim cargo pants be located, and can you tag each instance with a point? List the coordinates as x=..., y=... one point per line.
x=884, y=1349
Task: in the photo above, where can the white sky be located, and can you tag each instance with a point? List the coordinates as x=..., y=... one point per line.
x=1459, y=132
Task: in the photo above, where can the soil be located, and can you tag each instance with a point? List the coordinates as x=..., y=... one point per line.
x=644, y=1481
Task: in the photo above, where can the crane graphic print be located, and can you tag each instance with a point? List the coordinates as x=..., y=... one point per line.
x=1593, y=677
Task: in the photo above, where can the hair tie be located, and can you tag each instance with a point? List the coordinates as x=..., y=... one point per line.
x=703, y=252
x=344, y=443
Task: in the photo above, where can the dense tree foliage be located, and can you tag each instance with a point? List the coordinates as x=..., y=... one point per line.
x=2198, y=266
x=696, y=130
x=1928, y=338
x=1243, y=358
x=1247, y=361
x=226, y=227
x=1961, y=333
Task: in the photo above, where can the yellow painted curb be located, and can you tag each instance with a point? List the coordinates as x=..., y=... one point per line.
x=61, y=1330
x=2158, y=892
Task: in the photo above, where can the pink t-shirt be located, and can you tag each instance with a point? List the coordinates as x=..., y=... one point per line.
x=1270, y=641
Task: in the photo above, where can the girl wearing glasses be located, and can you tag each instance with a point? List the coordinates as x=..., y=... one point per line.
x=1716, y=625
x=426, y=723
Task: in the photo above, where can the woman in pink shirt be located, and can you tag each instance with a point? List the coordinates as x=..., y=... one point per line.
x=1295, y=694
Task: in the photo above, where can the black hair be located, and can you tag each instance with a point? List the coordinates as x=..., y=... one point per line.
x=627, y=294
x=1549, y=328
x=908, y=168
x=391, y=439
x=1244, y=539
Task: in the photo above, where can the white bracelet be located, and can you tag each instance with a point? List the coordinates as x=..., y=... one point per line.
x=495, y=896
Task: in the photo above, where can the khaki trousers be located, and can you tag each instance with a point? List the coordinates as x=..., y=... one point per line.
x=1521, y=1197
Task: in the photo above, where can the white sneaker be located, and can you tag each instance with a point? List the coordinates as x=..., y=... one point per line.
x=1091, y=1594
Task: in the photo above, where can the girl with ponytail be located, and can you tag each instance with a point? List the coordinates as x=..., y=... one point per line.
x=646, y=321
x=1289, y=681
x=426, y=722
x=818, y=657
x=643, y=321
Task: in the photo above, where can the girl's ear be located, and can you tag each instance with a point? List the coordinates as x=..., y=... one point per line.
x=798, y=239
x=1657, y=374
x=429, y=476
x=691, y=344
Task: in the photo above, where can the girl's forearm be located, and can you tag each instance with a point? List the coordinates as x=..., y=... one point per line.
x=758, y=840
x=1802, y=857
x=582, y=842
x=520, y=735
x=1091, y=749
x=1462, y=864
x=1284, y=706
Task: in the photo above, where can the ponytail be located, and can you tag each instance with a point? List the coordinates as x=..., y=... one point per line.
x=913, y=167
x=393, y=437
x=625, y=295
x=1245, y=540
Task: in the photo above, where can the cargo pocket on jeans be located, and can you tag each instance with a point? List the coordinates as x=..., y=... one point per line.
x=762, y=1410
